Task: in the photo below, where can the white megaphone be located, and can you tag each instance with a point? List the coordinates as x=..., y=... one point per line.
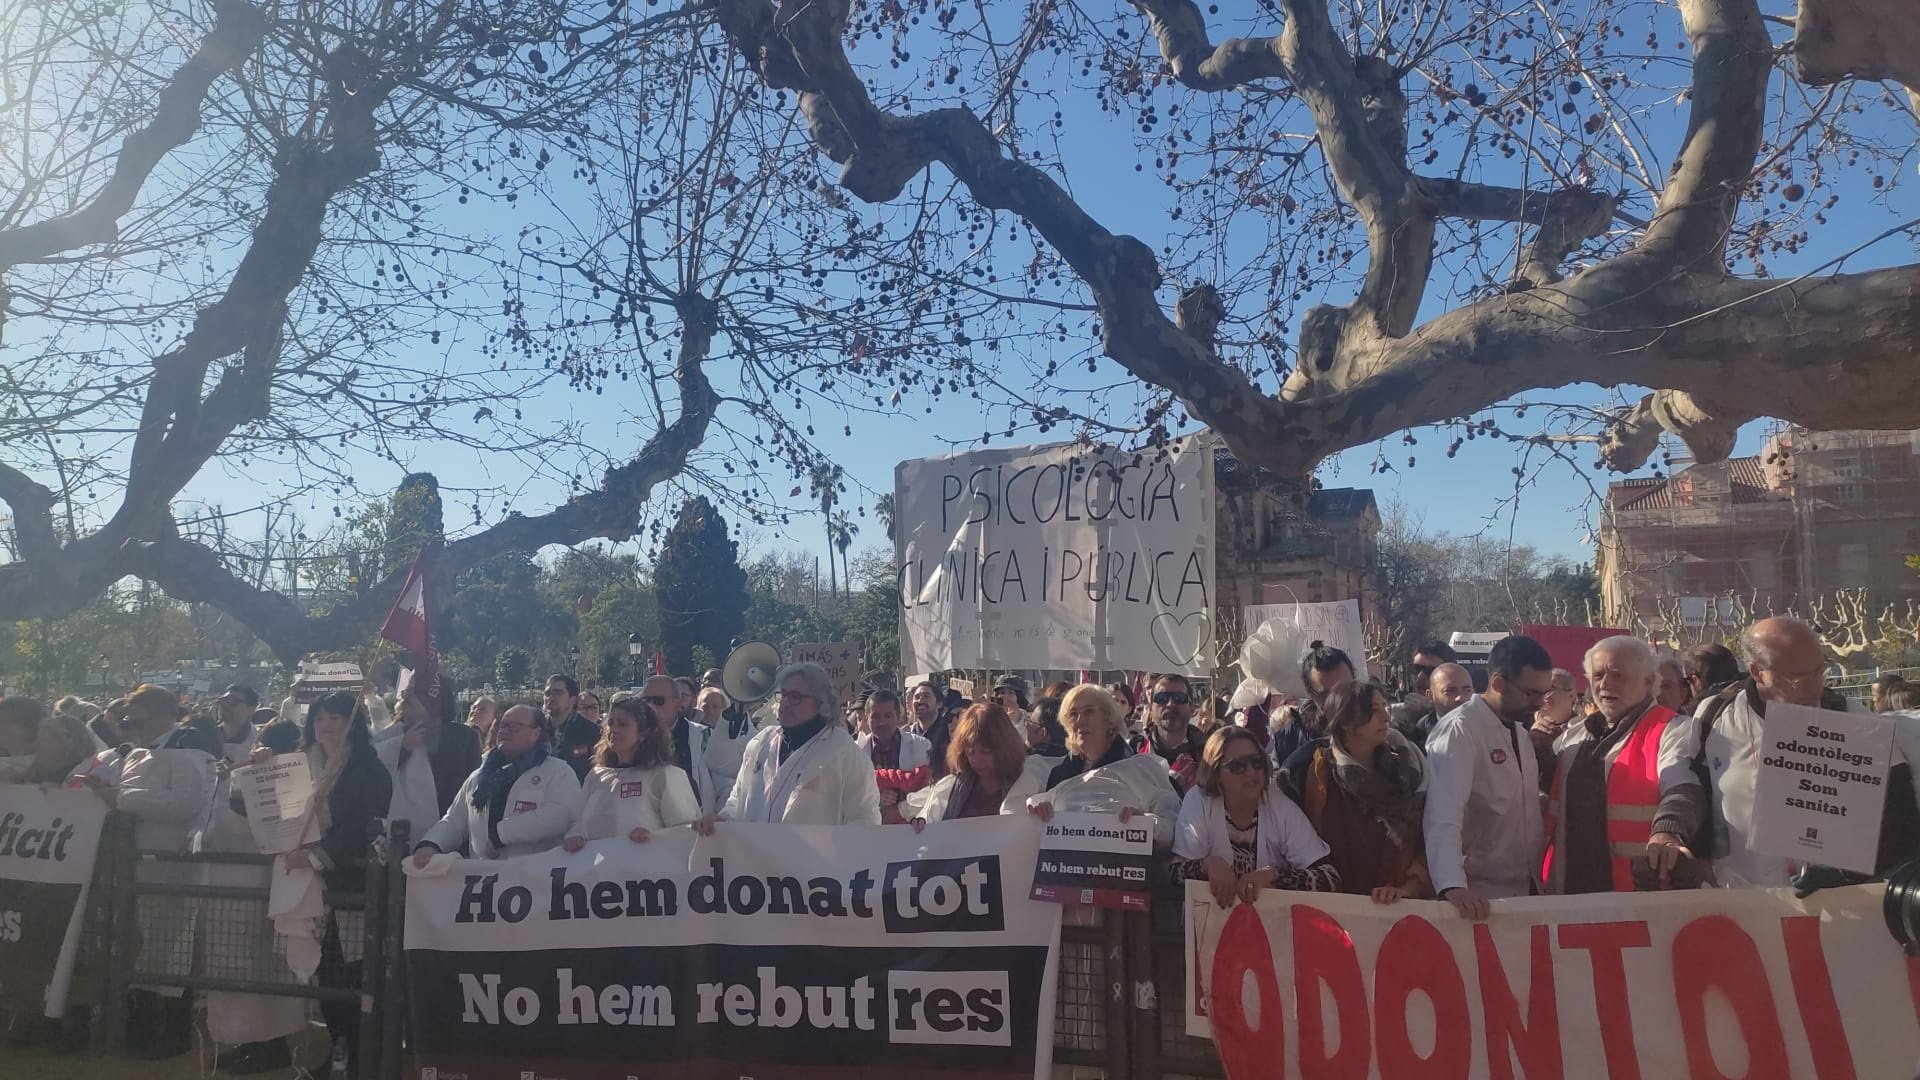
x=747, y=676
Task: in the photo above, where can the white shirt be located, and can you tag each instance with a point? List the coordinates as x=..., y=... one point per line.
x=705, y=789
x=416, y=798
x=1285, y=837
x=915, y=750
x=540, y=809
x=1137, y=780
x=1733, y=760
x=829, y=781
x=1483, y=823
x=931, y=803
x=618, y=801
x=724, y=752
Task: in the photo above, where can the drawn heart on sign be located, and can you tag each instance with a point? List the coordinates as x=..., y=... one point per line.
x=1172, y=633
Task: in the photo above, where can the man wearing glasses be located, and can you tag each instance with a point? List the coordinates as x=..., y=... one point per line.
x=805, y=770
x=1784, y=663
x=1170, y=732
x=690, y=738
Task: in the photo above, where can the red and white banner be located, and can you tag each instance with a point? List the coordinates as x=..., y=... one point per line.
x=410, y=626
x=1705, y=984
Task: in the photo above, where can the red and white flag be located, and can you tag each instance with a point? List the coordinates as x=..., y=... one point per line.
x=410, y=626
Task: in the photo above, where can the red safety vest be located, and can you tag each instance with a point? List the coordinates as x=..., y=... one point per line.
x=1633, y=798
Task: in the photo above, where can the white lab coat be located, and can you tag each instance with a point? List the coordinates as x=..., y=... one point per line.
x=1733, y=763
x=1285, y=836
x=1137, y=780
x=540, y=809
x=618, y=801
x=724, y=752
x=931, y=802
x=169, y=794
x=705, y=789
x=829, y=781
x=416, y=799
x=1483, y=820
x=915, y=750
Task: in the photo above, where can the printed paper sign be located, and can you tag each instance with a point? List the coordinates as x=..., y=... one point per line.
x=1822, y=785
x=867, y=952
x=1062, y=557
x=278, y=795
x=1094, y=859
x=49, y=838
x=842, y=661
x=1337, y=623
x=1707, y=982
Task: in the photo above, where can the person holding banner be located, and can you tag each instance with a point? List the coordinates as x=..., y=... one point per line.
x=1364, y=790
x=806, y=770
x=988, y=772
x=520, y=801
x=1483, y=828
x=635, y=789
x=351, y=789
x=1101, y=774
x=1240, y=834
x=1606, y=785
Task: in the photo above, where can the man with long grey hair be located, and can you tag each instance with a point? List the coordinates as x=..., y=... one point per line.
x=805, y=770
x=1606, y=784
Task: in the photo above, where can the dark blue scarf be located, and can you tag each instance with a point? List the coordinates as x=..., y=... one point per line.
x=497, y=776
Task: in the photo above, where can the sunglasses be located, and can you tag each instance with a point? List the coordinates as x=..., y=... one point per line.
x=1238, y=766
x=657, y=701
x=1172, y=697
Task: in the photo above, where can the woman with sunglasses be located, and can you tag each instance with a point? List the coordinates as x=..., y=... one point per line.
x=635, y=789
x=1363, y=786
x=1239, y=834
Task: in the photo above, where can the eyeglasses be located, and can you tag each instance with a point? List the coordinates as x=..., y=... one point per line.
x=1172, y=697
x=1805, y=678
x=1238, y=766
x=795, y=695
x=657, y=701
x=504, y=726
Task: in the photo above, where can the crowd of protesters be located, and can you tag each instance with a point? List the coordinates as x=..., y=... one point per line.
x=1524, y=787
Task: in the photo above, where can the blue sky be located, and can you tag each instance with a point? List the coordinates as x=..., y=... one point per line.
x=1473, y=491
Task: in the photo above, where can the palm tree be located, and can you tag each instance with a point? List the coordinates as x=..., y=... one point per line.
x=883, y=509
x=840, y=533
x=825, y=484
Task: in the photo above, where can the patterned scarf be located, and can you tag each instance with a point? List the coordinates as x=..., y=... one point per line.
x=1388, y=788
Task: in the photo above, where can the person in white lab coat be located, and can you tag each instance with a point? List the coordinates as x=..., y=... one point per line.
x=1784, y=663
x=889, y=746
x=634, y=789
x=1485, y=833
x=520, y=801
x=732, y=725
x=1100, y=774
x=805, y=770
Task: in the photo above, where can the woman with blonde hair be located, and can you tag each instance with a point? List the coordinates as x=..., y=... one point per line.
x=1099, y=774
x=635, y=789
x=988, y=771
x=1240, y=834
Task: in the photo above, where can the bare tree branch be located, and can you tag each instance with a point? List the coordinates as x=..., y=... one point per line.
x=237, y=30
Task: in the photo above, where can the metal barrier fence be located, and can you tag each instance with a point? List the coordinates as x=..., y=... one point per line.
x=199, y=922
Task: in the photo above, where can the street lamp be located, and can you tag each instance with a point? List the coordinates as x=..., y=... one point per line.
x=573, y=657
x=634, y=649
x=104, y=665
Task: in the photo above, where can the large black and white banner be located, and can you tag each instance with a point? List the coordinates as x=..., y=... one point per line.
x=49, y=838
x=761, y=951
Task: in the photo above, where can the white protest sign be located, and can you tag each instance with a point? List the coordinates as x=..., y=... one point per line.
x=1057, y=558
x=1337, y=623
x=278, y=795
x=1822, y=785
x=842, y=661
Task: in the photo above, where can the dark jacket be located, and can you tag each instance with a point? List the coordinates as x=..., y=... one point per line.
x=455, y=759
x=1360, y=846
x=360, y=796
x=573, y=743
